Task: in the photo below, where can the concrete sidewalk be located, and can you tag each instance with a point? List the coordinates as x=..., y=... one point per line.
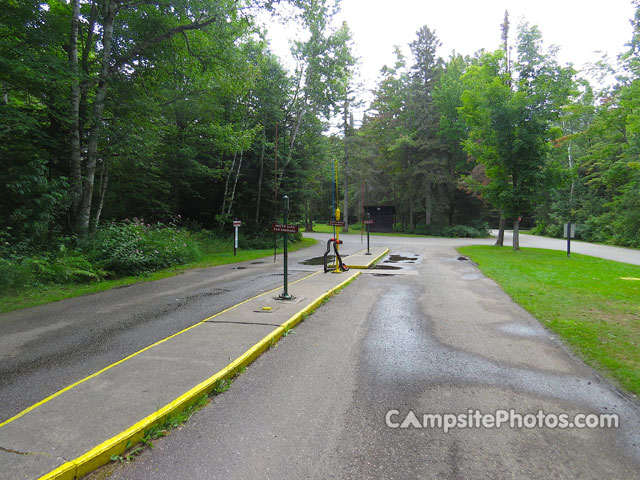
x=79, y=428
x=363, y=260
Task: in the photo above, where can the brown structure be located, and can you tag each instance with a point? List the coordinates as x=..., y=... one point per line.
x=382, y=216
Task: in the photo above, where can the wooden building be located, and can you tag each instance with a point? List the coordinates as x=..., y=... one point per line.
x=382, y=216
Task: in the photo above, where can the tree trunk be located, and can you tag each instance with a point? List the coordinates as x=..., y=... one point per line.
x=292, y=142
x=264, y=141
x=235, y=184
x=76, y=158
x=411, y=215
x=500, y=239
x=427, y=202
x=516, y=235
x=104, y=180
x=226, y=190
x=308, y=224
x=82, y=222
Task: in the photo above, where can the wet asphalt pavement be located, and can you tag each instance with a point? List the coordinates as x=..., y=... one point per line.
x=46, y=348
x=433, y=336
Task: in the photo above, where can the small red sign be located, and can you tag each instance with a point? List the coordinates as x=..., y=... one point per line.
x=282, y=228
x=368, y=222
x=336, y=223
x=237, y=223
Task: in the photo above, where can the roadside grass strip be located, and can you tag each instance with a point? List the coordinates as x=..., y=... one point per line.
x=322, y=228
x=592, y=303
x=41, y=294
x=128, y=443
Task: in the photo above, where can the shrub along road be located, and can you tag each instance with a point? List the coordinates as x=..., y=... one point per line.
x=432, y=336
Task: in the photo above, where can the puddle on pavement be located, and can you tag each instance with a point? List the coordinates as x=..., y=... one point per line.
x=256, y=263
x=471, y=276
x=386, y=267
x=522, y=330
x=316, y=260
x=399, y=258
x=239, y=268
x=462, y=259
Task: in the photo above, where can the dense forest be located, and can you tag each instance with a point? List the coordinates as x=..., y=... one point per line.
x=125, y=119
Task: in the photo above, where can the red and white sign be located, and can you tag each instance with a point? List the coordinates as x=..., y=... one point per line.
x=336, y=223
x=368, y=222
x=237, y=223
x=283, y=228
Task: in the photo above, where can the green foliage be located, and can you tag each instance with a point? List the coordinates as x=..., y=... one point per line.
x=510, y=120
x=63, y=267
x=133, y=247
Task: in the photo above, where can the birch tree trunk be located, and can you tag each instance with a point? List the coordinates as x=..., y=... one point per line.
x=235, y=183
x=226, y=189
x=104, y=181
x=82, y=222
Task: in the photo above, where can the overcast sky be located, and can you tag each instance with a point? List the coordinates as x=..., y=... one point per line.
x=578, y=27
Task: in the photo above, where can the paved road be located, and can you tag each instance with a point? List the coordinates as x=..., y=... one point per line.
x=431, y=337
x=46, y=348
x=619, y=254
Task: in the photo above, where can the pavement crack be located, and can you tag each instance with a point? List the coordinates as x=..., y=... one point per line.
x=243, y=323
x=17, y=452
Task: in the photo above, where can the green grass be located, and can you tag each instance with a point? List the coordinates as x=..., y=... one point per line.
x=322, y=228
x=593, y=304
x=33, y=296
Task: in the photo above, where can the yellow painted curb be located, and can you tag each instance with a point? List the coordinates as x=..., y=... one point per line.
x=69, y=387
x=101, y=454
x=368, y=265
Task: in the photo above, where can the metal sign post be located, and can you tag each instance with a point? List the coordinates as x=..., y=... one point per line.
x=285, y=229
x=569, y=232
x=236, y=224
x=368, y=222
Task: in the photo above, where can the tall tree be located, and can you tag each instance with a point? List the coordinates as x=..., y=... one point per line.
x=510, y=128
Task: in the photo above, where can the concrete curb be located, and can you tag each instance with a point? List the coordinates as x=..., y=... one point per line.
x=101, y=454
x=367, y=265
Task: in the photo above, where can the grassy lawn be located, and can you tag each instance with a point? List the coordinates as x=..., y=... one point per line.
x=52, y=293
x=322, y=228
x=593, y=304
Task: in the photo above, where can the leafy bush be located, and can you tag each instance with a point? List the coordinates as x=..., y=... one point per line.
x=464, y=231
x=539, y=229
x=133, y=247
x=54, y=268
x=477, y=230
